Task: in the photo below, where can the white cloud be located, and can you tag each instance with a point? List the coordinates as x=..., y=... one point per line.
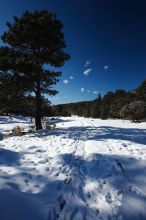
x=88, y=91
x=87, y=72
x=82, y=89
x=71, y=77
x=95, y=92
x=87, y=63
x=65, y=81
x=106, y=67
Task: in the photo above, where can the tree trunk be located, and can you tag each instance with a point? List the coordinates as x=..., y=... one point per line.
x=38, y=114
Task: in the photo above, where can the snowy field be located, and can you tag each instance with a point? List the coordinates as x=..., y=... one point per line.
x=84, y=169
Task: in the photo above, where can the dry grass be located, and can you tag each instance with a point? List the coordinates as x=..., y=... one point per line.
x=18, y=131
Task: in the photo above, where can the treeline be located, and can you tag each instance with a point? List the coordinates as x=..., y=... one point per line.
x=119, y=104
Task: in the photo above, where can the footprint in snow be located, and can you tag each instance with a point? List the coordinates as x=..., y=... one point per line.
x=57, y=174
x=42, y=161
x=49, y=158
x=67, y=181
x=124, y=145
x=97, y=212
x=62, y=202
x=37, y=186
x=109, y=198
x=47, y=169
x=40, y=151
x=89, y=195
x=26, y=181
x=101, y=184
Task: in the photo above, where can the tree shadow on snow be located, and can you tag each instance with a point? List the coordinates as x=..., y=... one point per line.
x=97, y=133
x=14, y=120
x=125, y=175
x=8, y=157
x=67, y=196
x=58, y=120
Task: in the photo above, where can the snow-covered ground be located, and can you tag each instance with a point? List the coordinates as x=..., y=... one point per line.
x=84, y=169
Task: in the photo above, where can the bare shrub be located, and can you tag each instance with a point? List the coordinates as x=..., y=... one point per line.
x=18, y=131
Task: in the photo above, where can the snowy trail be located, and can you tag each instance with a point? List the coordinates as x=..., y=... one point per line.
x=84, y=169
x=113, y=167
x=72, y=193
x=94, y=192
x=97, y=191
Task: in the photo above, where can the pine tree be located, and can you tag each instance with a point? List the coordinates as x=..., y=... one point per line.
x=106, y=104
x=96, y=111
x=141, y=91
x=33, y=43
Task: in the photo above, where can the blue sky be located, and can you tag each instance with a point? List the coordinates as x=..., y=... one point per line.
x=105, y=38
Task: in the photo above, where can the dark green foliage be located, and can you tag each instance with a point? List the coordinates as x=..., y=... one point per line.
x=106, y=104
x=110, y=105
x=140, y=92
x=96, y=109
x=83, y=109
x=60, y=110
x=120, y=98
x=135, y=111
x=22, y=105
x=32, y=42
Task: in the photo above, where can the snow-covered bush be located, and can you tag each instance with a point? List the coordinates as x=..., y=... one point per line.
x=135, y=111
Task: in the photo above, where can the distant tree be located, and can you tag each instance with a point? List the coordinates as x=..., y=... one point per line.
x=60, y=110
x=140, y=92
x=106, y=104
x=96, y=107
x=33, y=42
x=135, y=111
x=121, y=98
x=109, y=106
x=87, y=110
